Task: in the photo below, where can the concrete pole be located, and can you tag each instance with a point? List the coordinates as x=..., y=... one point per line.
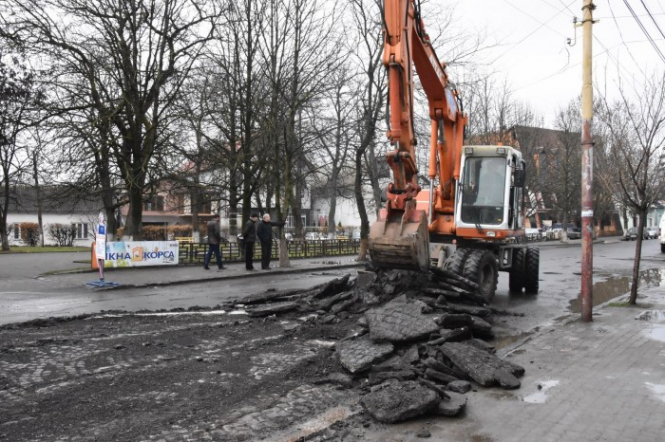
x=587, y=164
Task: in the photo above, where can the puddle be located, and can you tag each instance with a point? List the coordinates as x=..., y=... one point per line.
x=656, y=333
x=657, y=389
x=540, y=396
x=505, y=341
x=616, y=286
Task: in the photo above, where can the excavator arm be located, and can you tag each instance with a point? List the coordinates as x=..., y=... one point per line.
x=400, y=237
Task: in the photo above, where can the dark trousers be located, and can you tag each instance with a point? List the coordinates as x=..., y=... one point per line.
x=213, y=248
x=266, y=250
x=249, y=255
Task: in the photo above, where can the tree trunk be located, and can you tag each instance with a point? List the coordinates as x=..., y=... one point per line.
x=136, y=212
x=38, y=193
x=638, y=255
x=360, y=200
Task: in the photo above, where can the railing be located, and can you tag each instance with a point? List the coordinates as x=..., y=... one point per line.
x=194, y=253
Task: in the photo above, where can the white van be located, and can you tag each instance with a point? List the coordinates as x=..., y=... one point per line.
x=662, y=234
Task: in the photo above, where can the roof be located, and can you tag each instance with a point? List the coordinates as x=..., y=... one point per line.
x=55, y=199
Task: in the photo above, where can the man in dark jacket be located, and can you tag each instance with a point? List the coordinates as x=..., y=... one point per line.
x=264, y=233
x=249, y=237
x=214, y=237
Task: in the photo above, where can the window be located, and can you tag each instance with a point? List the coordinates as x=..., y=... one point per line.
x=483, y=191
x=80, y=231
x=155, y=204
x=17, y=231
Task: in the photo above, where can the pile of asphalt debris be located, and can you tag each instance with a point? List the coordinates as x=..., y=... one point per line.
x=417, y=346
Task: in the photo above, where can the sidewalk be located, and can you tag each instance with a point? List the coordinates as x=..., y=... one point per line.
x=576, y=242
x=600, y=381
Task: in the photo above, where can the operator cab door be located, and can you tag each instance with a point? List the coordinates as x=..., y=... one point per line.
x=517, y=183
x=485, y=194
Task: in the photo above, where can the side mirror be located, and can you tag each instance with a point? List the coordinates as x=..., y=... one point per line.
x=520, y=177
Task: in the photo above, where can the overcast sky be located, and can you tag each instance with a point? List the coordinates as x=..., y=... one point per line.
x=542, y=68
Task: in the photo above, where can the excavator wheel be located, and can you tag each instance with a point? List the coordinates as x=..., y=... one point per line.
x=456, y=262
x=481, y=267
x=516, y=275
x=531, y=270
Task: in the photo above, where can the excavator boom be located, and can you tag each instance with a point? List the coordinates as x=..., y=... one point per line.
x=400, y=236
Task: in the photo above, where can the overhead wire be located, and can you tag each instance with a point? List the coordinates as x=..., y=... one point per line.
x=652, y=18
x=641, y=25
x=622, y=39
x=542, y=25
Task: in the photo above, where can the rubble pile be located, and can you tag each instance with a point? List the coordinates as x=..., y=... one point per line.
x=416, y=346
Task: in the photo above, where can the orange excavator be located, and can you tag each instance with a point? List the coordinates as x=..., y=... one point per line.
x=470, y=220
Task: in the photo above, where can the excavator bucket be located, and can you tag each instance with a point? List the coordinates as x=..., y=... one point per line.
x=400, y=239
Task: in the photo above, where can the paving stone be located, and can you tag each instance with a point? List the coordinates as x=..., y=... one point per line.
x=399, y=401
x=481, y=328
x=271, y=309
x=452, y=406
x=506, y=379
x=403, y=375
x=399, y=322
x=411, y=356
x=479, y=365
x=459, y=386
x=360, y=354
x=336, y=379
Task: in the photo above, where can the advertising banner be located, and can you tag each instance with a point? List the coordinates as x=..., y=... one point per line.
x=141, y=253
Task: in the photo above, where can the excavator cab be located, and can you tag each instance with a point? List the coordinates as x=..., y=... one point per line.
x=489, y=195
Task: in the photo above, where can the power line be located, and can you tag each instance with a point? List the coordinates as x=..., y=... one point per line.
x=639, y=23
x=652, y=19
x=542, y=25
x=622, y=39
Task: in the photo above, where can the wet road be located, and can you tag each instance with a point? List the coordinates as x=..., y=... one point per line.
x=25, y=295
x=560, y=283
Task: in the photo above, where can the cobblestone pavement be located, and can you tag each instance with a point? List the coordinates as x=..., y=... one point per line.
x=171, y=377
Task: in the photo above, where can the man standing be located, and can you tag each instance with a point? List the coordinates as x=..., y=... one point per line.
x=214, y=237
x=264, y=232
x=249, y=237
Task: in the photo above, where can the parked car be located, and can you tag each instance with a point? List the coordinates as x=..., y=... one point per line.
x=554, y=231
x=312, y=236
x=653, y=232
x=533, y=234
x=631, y=234
x=573, y=232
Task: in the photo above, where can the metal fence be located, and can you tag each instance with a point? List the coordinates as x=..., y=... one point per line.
x=194, y=253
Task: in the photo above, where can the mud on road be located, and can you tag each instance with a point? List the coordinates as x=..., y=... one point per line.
x=324, y=363
x=166, y=377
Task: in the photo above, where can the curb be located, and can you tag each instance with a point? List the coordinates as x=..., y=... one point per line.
x=240, y=276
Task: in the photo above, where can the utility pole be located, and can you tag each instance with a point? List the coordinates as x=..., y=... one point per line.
x=587, y=163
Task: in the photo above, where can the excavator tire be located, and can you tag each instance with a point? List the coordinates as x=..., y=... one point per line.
x=532, y=270
x=456, y=262
x=481, y=267
x=516, y=275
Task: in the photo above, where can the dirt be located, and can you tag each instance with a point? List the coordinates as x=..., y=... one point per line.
x=173, y=377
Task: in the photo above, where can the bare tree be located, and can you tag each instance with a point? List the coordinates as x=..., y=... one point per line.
x=333, y=135
x=564, y=166
x=635, y=126
x=370, y=97
x=18, y=95
x=129, y=57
